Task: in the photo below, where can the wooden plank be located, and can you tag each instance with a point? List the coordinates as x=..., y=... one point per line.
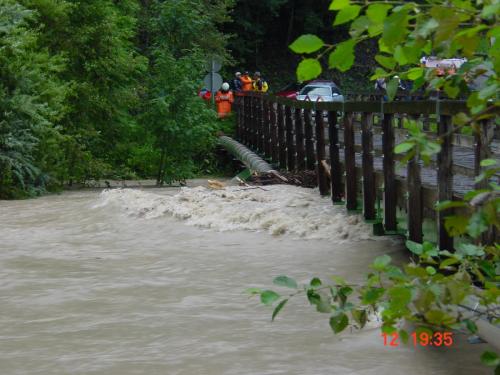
x=290, y=146
x=320, y=153
x=351, y=191
x=308, y=130
x=390, y=199
x=415, y=209
x=281, y=137
x=336, y=169
x=444, y=179
x=299, y=140
x=369, y=188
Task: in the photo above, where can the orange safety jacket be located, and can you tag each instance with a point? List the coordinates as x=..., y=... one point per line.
x=246, y=83
x=224, y=100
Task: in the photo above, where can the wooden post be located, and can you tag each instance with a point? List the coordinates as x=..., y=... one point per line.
x=244, y=130
x=390, y=200
x=267, y=129
x=310, y=157
x=299, y=140
x=481, y=150
x=274, y=133
x=281, y=138
x=414, y=187
x=239, y=116
x=290, y=147
x=369, y=188
x=444, y=178
x=255, y=124
x=320, y=153
x=335, y=168
x=350, y=163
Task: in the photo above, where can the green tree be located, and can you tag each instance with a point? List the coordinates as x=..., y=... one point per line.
x=32, y=100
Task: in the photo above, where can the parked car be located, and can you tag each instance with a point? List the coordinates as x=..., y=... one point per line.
x=326, y=91
x=290, y=91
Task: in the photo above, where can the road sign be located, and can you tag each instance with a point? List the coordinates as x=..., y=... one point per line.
x=213, y=65
x=213, y=82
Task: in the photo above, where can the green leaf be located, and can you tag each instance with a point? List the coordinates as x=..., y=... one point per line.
x=347, y=14
x=448, y=262
x=430, y=270
x=386, y=61
x=449, y=204
x=342, y=57
x=490, y=358
x=360, y=316
x=315, y=282
x=415, y=73
x=403, y=147
x=414, y=247
x=392, y=88
x=307, y=43
x=471, y=326
x=285, y=281
x=381, y=262
x=308, y=69
x=456, y=225
x=399, y=297
x=338, y=4
x=378, y=12
x=477, y=224
x=399, y=56
x=339, y=322
x=268, y=297
x=395, y=29
x=404, y=336
x=372, y=295
x=278, y=308
x=490, y=10
x=488, y=162
x=469, y=249
x=451, y=89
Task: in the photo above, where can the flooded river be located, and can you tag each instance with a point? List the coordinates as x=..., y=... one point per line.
x=151, y=282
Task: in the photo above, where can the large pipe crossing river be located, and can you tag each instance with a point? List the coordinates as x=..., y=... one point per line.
x=152, y=282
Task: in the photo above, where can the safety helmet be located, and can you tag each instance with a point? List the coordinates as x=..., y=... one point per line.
x=237, y=74
x=246, y=72
x=257, y=74
x=225, y=86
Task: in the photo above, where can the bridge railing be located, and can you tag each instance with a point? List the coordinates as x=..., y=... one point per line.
x=351, y=144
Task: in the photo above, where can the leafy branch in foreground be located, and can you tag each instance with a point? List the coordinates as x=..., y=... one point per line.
x=439, y=289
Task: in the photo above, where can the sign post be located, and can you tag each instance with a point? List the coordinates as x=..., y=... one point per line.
x=213, y=80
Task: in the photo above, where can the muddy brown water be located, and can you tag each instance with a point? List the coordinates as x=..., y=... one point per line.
x=104, y=284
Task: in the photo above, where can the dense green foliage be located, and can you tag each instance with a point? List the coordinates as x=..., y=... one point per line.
x=102, y=88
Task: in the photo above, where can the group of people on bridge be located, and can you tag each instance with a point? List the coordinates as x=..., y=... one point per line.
x=224, y=98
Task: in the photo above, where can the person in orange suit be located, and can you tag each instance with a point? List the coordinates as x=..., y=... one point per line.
x=224, y=100
x=246, y=82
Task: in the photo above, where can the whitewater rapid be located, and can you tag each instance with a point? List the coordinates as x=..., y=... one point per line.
x=277, y=209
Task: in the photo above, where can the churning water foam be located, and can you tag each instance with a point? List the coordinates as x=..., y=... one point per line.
x=277, y=209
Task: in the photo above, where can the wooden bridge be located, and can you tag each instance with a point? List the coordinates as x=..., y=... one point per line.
x=351, y=144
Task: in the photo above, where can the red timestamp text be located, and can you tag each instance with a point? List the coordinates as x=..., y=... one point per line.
x=420, y=339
